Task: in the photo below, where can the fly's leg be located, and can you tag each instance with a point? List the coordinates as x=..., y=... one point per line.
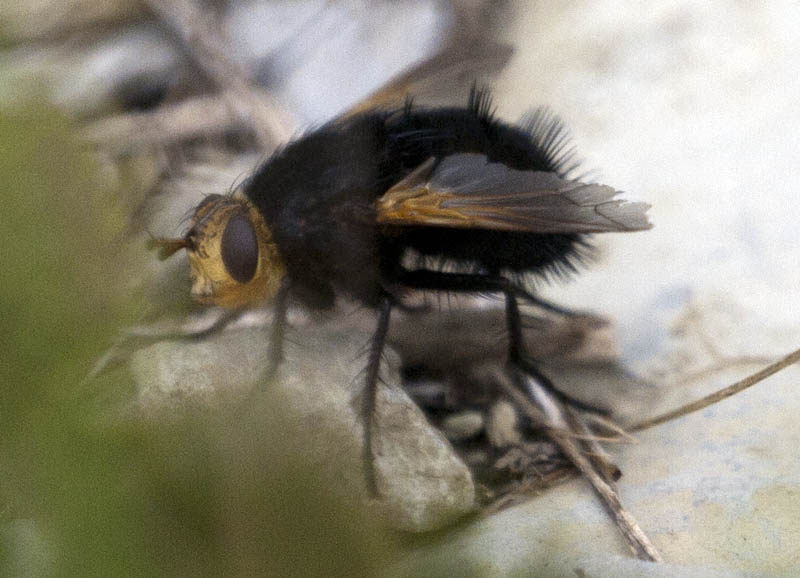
x=228, y=317
x=277, y=333
x=548, y=306
x=516, y=355
x=477, y=283
x=135, y=338
x=370, y=391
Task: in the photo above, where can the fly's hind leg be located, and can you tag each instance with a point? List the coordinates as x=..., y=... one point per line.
x=546, y=305
x=518, y=357
x=479, y=283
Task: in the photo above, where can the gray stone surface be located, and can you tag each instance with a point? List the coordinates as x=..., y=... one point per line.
x=422, y=484
x=692, y=107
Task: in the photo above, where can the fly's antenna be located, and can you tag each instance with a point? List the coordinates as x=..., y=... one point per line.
x=167, y=247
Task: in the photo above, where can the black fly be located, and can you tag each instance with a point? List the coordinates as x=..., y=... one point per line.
x=483, y=203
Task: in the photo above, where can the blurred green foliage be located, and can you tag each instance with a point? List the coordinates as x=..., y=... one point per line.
x=89, y=486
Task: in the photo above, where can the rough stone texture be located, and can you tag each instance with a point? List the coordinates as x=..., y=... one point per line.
x=693, y=108
x=174, y=372
x=423, y=484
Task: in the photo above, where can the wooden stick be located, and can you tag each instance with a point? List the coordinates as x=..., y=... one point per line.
x=57, y=20
x=205, y=44
x=630, y=529
x=595, y=452
x=528, y=487
x=168, y=124
x=610, y=426
x=718, y=396
x=633, y=533
x=723, y=364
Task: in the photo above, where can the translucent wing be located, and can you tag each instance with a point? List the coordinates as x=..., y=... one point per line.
x=469, y=56
x=468, y=191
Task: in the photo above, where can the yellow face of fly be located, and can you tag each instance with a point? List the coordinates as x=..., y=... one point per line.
x=234, y=261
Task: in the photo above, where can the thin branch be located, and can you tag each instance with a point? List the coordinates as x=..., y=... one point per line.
x=527, y=487
x=609, y=425
x=624, y=520
x=596, y=454
x=718, y=396
x=168, y=124
x=56, y=20
x=723, y=364
x=205, y=44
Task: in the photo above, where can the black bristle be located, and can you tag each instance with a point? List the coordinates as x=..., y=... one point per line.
x=480, y=104
x=552, y=141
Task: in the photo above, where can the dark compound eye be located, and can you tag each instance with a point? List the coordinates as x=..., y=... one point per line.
x=240, y=248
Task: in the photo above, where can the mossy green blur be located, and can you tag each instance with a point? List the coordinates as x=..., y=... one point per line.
x=104, y=491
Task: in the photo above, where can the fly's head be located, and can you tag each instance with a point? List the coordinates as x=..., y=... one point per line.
x=234, y=260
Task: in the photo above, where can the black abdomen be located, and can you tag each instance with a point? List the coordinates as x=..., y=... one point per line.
x=318, y=196
x=540, y=144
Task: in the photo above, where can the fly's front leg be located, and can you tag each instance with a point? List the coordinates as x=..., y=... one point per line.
x=135, y=338
x=277, y=332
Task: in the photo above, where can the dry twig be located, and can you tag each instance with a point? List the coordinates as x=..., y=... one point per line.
x=204, y=43
x=718, y=396
x=556, y=413
x=530, y=486
x=597, y=455
x=168, y=124
x=722, y=364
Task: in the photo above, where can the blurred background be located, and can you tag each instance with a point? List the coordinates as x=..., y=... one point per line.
x=118, y=117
